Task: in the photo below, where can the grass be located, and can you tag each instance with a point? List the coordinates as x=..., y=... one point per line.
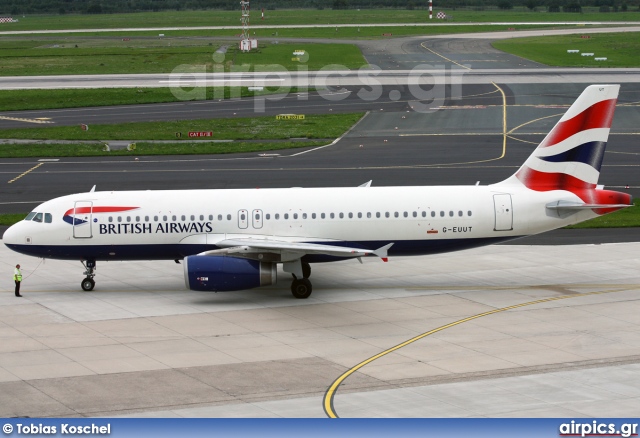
x=112, y=58
x=620, y=49
x=143, y=148
x=11, y=218
x=297, y=16
x=18, y=100
x=251, y=128
x=628, y=217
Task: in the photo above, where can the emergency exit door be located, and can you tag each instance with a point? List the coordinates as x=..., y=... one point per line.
x=504, y=212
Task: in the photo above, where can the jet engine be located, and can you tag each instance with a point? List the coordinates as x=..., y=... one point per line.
x=224, y=273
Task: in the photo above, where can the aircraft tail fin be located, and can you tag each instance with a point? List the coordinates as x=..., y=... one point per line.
x=570, y=156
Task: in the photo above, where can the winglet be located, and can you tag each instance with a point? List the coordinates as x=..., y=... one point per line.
x=367, y=184
x=382, y=252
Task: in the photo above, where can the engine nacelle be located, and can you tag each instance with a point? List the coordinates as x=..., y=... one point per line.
x=225, y=273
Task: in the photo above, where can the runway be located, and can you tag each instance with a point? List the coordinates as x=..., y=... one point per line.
x=141, y=345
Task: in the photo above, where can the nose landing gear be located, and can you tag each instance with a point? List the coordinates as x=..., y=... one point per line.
x=88, y=283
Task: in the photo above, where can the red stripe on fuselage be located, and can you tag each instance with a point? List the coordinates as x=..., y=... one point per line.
x=598, y=115
x=82, y=210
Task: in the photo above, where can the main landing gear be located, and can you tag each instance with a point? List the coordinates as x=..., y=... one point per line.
x=301, y=287
x=88, y=283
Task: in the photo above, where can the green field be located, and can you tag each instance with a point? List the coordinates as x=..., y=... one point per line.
x=37, y=150
x=620, y=49
x=298, y=16
x=108, y=56
x=251, y=128
x=628, y=217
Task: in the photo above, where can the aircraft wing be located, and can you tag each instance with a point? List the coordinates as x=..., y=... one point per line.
x=252, y=245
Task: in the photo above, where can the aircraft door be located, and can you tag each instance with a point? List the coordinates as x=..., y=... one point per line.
x=257, y=218
x=82, y=219
x=504, y=212
x=243, y=219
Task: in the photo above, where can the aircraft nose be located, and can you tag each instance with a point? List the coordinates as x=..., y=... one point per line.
x=11, y=236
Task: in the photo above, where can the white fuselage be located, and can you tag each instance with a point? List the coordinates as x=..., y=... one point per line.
x=174, y=224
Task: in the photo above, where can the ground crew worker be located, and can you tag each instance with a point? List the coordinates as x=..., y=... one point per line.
x=17, y=277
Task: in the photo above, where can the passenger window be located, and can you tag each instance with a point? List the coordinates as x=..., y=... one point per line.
x=415, y=214
x=30, y=216
x=286, y=216
x=47, y=218
x=295, y=215
x=119, y=218
x=304, y=215
x=128, y=218
x=146, y=218
x=433, y=214
x=243, y=217
x=174, y=218
x=257, y=216
x=155, y=218
x=210, y=217
x=450, y=213
x=183, y=218
x=469, y=213
x=219, y=217
x=267, y=216
x=228, y=217
x=424, y=213
x=277, y=216
x=350, y=215
x=378, y=214
x=386, y=214
x=332, y=215
x=442, y=214
x=341, y=215
x=322, y=216
x=406, y=214
x=369, y=215
x=313, y=215
x=164, y=218
x=193, y=218
x=396, y=214
x=137, y=218
x=460, y=213
x=359, y=215
x=110, y=219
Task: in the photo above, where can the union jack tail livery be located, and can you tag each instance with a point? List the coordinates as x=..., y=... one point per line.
x=570, y=156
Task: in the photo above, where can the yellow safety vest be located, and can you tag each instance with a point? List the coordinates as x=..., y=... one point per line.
x=17, y=277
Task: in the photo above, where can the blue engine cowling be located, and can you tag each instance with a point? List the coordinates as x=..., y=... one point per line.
x=223, y=273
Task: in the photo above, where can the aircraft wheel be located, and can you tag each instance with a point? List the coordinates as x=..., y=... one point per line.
x=306, y=270
x=301, y=288
x=87, y=284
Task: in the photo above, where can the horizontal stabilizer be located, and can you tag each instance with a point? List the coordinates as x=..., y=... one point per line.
x=570, y=205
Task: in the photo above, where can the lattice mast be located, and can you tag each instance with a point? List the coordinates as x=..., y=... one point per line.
x=244, y=19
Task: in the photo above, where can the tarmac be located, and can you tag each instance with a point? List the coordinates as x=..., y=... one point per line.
x=141, y=345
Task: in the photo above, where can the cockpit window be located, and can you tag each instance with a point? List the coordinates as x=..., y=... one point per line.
x=30, y=216
x=38, y=217
x=47, y=218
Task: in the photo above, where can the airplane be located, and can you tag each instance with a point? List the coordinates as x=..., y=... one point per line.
x=232, y=240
